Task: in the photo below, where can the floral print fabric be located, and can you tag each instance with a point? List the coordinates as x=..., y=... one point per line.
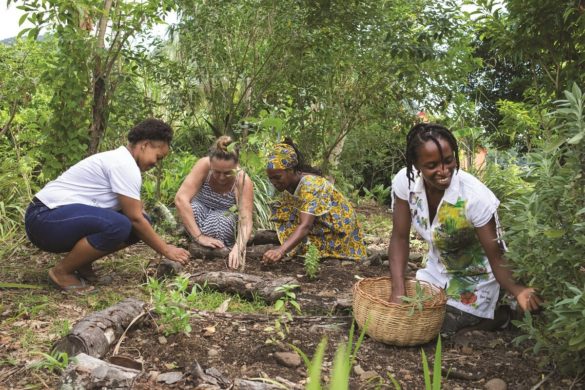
x=335, y=232
x=456, y=260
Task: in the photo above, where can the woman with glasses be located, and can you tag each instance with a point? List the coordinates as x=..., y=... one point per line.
x=216, y=196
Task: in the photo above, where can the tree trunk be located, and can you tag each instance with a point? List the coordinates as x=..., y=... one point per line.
x=100, y=102
x=243, y=284
x=96, y=333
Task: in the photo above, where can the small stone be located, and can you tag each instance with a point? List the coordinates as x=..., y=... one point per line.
x=162, y=340
x=385, y=263
x=152, y=375
x=212, y=352
x=367, y=375
x=170, y=377
x=288, y=359
x=496, y=384
x=466, y=350
x=358, y=370
x=347, y=263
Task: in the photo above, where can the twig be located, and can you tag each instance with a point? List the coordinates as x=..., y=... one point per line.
x=537, y=386
x=117, y=347
x=41, y=380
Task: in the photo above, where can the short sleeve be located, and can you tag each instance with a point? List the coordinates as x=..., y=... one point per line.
x=400, y=186
x=315, y=195
x=482, y=205
x=125, y=180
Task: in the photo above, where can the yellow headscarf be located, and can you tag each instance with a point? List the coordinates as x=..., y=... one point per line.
x=283, y=156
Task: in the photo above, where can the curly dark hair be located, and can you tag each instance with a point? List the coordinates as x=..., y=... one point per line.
x=421, y=133
x=302, y=165
x=151, y=129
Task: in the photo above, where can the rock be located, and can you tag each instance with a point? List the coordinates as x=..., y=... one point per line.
x=413, y=256
x=170, y=377
x=358, y=370
x=466, y=350
x=346, y=263
x=288, y=359
x=162, y=340
x=212, y=352
x=367, y=375
x=496, y=384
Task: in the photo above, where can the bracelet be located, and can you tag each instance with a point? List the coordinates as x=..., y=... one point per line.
x=197, y=236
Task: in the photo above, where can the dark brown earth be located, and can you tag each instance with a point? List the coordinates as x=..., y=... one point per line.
x=239, y=347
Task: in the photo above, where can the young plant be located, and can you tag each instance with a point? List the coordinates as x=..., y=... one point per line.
x=173, y=305
x=312, y=261
x=342, y=362
x=435, y=384
x=283, y=305
x=56, y=362
x=417, y=300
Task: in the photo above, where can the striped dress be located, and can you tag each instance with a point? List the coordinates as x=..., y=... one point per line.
x=212, y=213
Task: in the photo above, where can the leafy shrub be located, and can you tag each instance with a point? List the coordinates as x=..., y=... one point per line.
x=547, y=237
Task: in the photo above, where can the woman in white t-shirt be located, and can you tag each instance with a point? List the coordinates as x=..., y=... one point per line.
x=457, y=216
x=94, y=208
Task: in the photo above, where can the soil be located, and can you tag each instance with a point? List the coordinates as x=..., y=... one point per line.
x=240, y=346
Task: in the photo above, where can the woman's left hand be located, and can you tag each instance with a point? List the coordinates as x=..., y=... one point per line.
x=273, y=255
x=233, y=258
x=528, y=299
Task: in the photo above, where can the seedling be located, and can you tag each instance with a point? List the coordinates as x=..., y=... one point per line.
x=312, y=261
x=417, y=300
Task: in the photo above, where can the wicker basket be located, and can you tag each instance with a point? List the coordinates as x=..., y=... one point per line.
x=391, y=323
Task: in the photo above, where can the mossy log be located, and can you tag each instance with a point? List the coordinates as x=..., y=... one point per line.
x=245, y=285
x=96, y=333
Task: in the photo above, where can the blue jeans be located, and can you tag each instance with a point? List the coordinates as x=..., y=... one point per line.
x=58, y=230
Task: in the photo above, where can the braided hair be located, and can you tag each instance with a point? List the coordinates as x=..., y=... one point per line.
x=302, y=165
x=421, y=133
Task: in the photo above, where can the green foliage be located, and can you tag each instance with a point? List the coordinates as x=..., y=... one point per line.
x=56, y=362
x=287, y=300
x=162, y=183
x=343, y=362
x=173, y=304
x=379, y=193
x=546, y=237
x=435, y=384
x=311, y=261
x=417, y=300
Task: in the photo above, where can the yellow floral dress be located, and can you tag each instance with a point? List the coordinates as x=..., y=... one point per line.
x=335, y=232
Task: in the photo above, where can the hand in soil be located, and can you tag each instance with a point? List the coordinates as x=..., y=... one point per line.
x=273, y=255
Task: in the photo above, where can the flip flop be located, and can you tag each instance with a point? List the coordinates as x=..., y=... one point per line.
x=77, y=289
x=103, y=280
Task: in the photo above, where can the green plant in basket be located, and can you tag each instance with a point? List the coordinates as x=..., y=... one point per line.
x=417, y=301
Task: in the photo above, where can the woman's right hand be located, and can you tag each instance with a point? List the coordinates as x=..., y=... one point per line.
x=210, y=242
x=177, y=254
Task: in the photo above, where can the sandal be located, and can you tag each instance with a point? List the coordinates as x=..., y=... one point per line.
x=78, y=289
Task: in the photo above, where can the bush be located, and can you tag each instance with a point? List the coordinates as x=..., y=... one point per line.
x=547, y=237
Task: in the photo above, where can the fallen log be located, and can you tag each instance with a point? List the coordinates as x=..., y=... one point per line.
x=254, y=252
x=96, y=333
x=87, y=372
x=263, y=237
x=245, y=285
